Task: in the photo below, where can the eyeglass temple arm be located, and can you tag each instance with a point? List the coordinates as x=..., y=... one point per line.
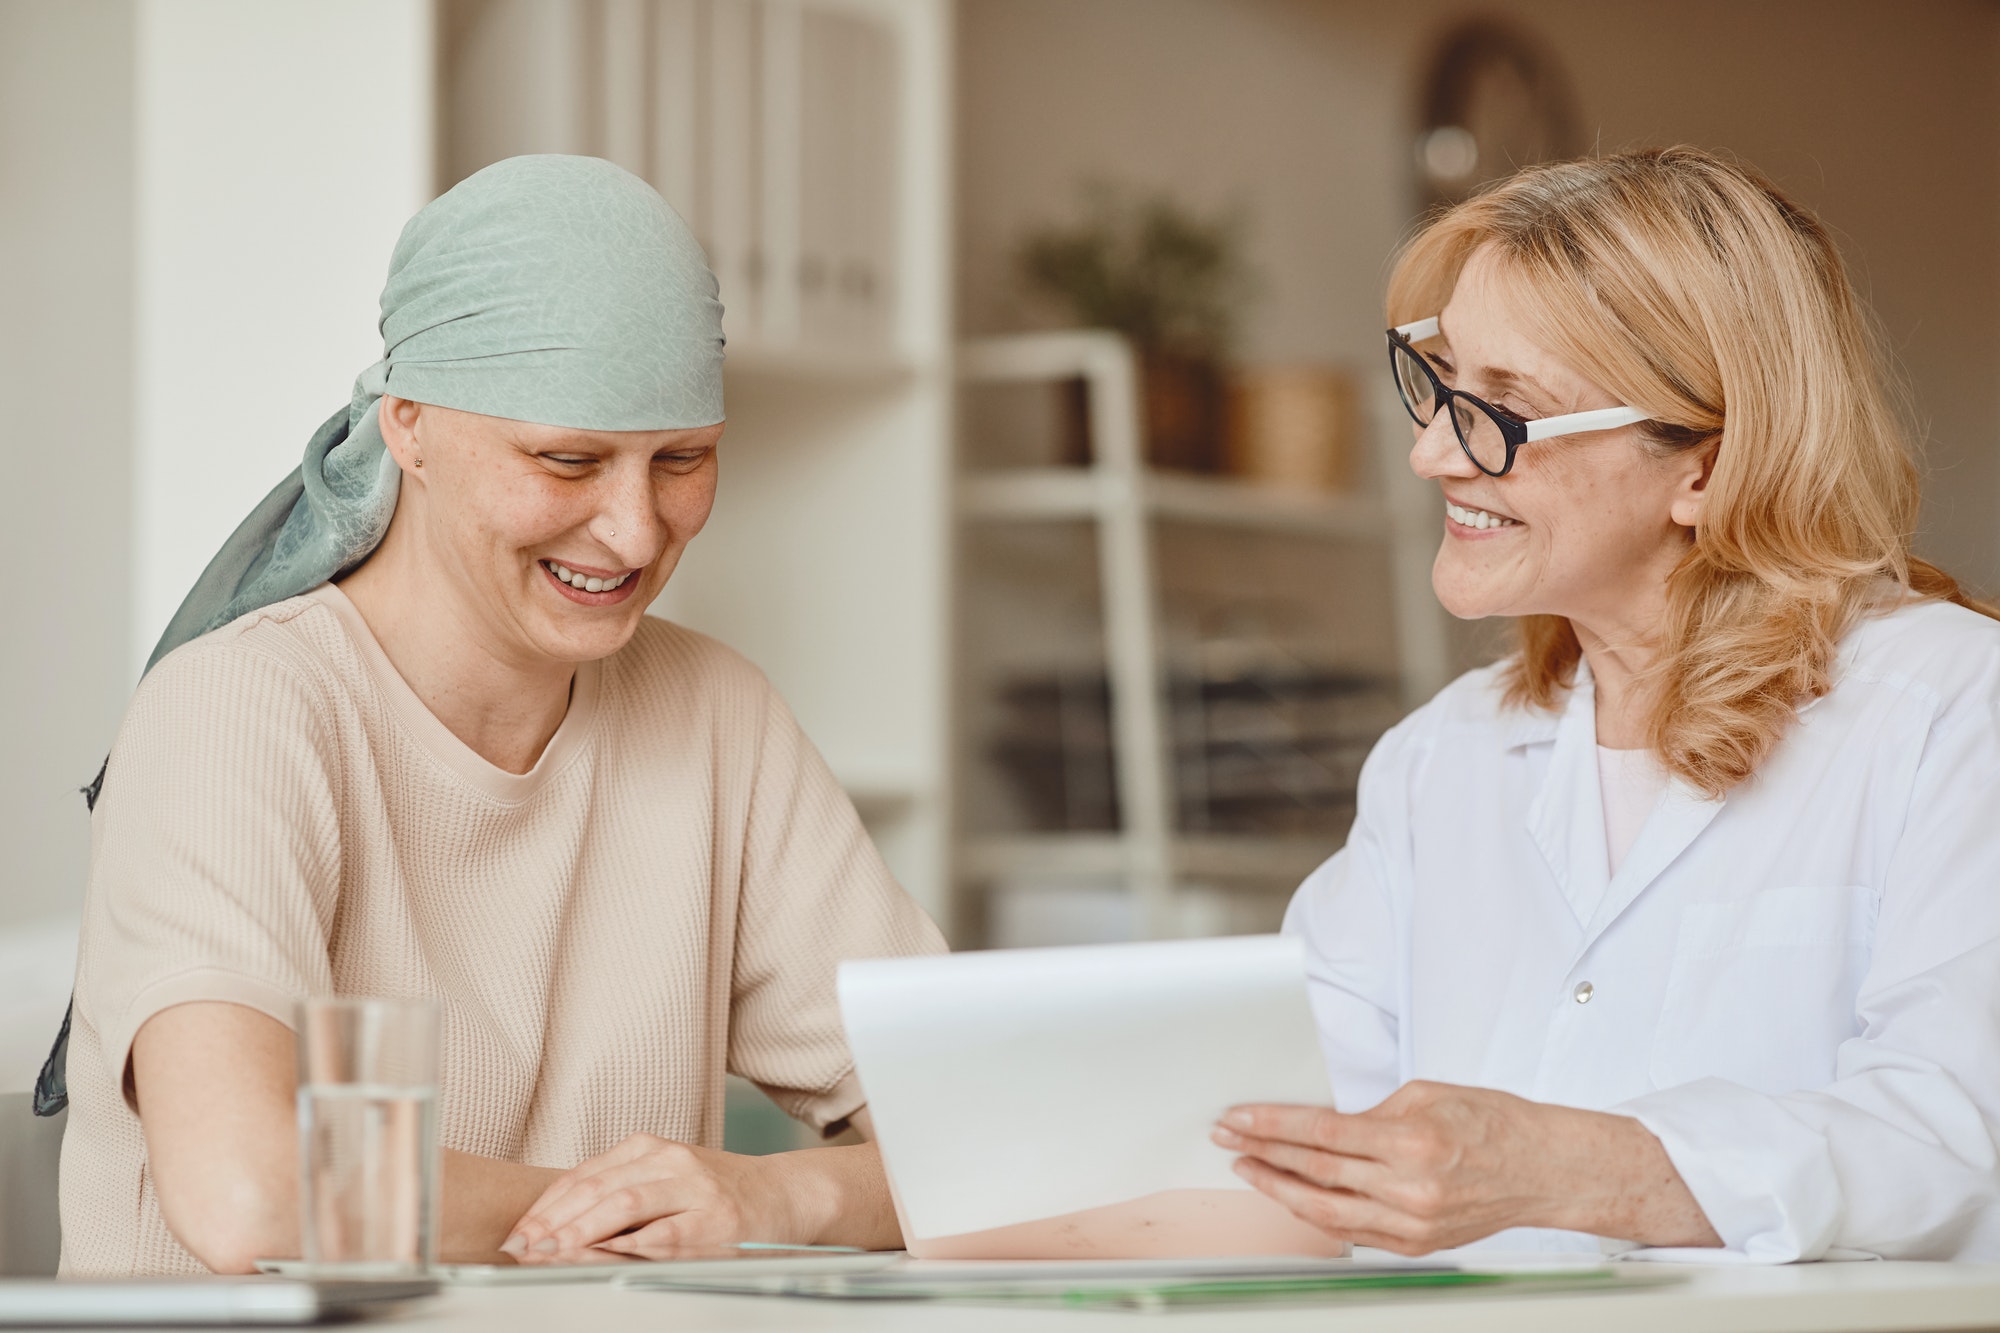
x=1422, y=329
x=1576, y=423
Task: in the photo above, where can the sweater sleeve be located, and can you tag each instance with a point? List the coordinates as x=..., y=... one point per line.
x=215, y=861
x=814, y=893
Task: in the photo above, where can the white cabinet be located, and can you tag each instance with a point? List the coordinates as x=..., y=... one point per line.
x=726, y=207
x=801, y=135
x=771, y=125
x=844, y=164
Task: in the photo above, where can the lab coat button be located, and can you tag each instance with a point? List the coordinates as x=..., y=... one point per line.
x=1584, y=990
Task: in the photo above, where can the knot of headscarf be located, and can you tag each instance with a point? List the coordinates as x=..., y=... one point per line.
x=553, y=289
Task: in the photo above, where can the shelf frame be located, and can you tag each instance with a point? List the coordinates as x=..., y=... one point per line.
x=1117, y=496
x=1089, y=492
x=1125, y=501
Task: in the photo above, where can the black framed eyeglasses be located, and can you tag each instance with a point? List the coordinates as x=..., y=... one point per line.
x=1489, y=435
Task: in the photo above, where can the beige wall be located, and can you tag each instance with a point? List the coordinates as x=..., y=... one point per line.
x=1883, y=117
x=65, y=377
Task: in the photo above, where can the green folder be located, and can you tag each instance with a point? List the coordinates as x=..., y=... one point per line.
x=1152, y=1288
x=1314, y=1290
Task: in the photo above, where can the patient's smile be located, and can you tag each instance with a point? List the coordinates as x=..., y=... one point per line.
x=585, y=582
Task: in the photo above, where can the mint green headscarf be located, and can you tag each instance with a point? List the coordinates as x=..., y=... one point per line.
x=560, y=290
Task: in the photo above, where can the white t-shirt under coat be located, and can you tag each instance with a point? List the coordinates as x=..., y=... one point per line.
x=1629, y=782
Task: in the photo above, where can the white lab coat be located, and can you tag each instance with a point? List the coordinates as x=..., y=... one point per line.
x=1796, y=988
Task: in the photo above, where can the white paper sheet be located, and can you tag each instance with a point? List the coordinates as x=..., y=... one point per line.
x=1021, y=1084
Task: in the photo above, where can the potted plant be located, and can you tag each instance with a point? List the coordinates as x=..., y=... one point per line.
x=1170, y=280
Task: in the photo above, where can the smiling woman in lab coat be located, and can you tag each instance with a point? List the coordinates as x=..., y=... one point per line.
x=1681, y=926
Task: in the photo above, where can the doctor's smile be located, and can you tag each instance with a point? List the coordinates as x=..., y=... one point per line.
x=1466, y=519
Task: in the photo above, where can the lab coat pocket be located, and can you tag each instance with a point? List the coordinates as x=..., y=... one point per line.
x=1763, y=987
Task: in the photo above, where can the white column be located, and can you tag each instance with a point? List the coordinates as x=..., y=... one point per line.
x=66, y=128
x=280, y=149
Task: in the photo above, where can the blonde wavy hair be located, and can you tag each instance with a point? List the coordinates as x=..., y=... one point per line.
x=1690, y=287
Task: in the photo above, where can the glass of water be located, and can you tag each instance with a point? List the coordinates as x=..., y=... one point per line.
x=368, y=1150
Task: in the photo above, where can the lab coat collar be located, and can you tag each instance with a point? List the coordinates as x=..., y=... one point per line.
x=1566, y=817
x=1534, y=726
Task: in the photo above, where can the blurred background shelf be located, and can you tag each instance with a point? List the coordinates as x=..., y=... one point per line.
x=1070, y=492
x=1165, y=681
x=1090, y=857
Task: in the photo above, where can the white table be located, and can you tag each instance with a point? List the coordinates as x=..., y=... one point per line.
x=1824, y=1298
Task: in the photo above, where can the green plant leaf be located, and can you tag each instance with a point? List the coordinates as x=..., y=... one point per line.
x=1142, y=264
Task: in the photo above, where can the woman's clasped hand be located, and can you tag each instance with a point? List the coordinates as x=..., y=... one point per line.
x=649, y=1196
x=654, y=1198
x=1436, y=1165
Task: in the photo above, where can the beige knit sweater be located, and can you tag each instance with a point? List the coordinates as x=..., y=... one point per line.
x=662, y=898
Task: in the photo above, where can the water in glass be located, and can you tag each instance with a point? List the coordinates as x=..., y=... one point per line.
x=368, y=1150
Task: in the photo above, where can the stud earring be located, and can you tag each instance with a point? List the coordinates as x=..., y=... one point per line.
x=420, y=460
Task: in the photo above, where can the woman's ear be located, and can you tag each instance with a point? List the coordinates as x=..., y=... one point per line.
x=398, y=420
x=1691, y=487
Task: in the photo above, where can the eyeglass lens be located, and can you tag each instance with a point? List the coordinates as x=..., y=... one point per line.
x=1477, y=432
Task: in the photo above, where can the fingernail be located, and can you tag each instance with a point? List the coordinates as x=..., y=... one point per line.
x=1228, y=1138
x=546, y=1245
x=1241, y=1166
x=1238, y=1119
x=514, y=1244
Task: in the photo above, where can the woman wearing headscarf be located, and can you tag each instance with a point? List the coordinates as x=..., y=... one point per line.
x=413, y=734
x=1680, y=927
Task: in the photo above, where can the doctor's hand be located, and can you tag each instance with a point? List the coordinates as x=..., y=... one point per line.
x=1436, y=1166
x=651, y=1198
